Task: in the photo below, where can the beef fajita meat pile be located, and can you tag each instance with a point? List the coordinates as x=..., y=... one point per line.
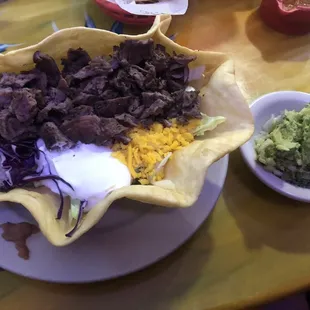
x=96, y=100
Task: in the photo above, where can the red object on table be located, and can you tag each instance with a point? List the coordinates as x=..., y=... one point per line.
x=114, y=11
x=285, y=16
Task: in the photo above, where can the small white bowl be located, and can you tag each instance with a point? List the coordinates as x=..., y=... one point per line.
x=262, y=109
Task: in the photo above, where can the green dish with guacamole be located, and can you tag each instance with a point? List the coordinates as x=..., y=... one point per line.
x=283, y=147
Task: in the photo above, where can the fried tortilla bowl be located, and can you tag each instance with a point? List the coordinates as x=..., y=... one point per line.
x=185, y=172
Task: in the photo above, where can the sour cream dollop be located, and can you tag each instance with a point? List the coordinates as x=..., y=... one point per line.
x=88, y=168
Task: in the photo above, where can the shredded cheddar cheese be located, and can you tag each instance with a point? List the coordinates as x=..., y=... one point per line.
x=148, y=148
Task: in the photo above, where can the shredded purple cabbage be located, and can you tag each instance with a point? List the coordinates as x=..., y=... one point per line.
x=61, y=206
x=18, y=168
x=83, y=204
x=17, y=163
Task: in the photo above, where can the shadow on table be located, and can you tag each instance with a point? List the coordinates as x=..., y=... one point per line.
x=271, y=219
x=224, y=5
x=273, y=45
x=212, y=23
x=170, y=278
x=203, y=32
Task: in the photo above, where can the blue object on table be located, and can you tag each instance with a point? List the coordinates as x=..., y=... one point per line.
x=4, y=46
x=173, y=36
x=118, y=27
x=54, y=26
x=89, y=23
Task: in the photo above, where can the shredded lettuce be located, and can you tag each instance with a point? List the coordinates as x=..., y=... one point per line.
x=162, y=164
x=81, y=207
x=208, y=123
x=75, y=207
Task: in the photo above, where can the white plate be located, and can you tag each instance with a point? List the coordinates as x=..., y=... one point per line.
x=130, y=236
x=262, y=109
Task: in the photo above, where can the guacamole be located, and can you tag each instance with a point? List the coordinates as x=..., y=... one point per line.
x=284, y=148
